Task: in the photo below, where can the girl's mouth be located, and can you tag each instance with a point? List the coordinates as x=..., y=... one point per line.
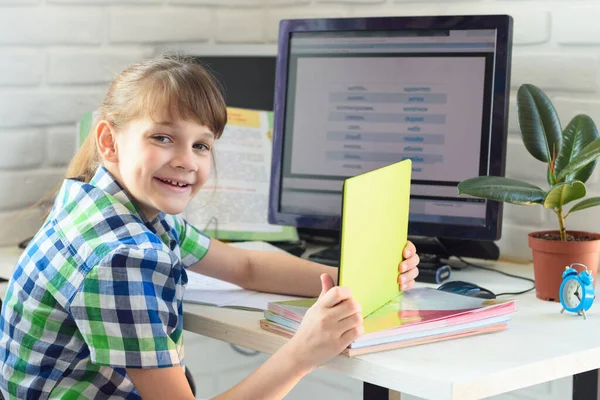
x=173, y=185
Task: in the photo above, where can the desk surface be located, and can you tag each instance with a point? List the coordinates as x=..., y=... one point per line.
x=540, y=345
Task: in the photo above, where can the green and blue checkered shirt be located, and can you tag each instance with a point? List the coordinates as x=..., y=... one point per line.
x=98, y=289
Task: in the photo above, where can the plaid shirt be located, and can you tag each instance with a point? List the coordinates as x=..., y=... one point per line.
x=99, y=289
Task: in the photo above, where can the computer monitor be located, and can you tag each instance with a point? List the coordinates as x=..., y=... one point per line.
x=245, y=72
x=354, y=94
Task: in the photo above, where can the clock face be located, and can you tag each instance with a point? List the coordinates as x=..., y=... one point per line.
x=572, y=293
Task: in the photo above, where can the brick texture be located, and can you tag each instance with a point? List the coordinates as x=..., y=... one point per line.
x=58, y=56
x=61, y=146
x=556, y=71
x=21, y=149
x=352, y=1
x=522, y=165
x=279, y=3
x=568, y=107
x=232, y=26
x=22, y=189
x=18, y=2
x=513, y=242
x=21, y=67
x=24, y=26
x=104, y=2
x=155, y=26
x=222, y=3
x=90, y=67
x=21, y=108
x=577, y=23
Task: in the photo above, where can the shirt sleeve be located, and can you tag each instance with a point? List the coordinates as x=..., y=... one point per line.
x=193, y=244
x=128, y=312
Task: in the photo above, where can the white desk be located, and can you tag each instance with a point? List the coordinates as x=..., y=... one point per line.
x=540, y=345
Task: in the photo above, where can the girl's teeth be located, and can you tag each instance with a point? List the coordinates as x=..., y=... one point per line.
x=175, y=183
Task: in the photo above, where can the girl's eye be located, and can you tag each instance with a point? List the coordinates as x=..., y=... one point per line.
x=162, y=139
x=201, y=146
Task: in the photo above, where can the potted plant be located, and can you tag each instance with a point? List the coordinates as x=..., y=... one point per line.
x=571, y=155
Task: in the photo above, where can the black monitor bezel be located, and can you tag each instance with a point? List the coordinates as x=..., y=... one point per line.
x=503, y=24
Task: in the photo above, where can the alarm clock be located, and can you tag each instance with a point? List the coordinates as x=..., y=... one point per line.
x=577, y=290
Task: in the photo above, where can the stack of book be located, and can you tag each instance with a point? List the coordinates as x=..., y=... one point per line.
x=415, y=317
x=374, y=231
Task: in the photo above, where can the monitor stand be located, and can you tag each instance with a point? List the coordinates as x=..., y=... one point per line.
x=433, y=253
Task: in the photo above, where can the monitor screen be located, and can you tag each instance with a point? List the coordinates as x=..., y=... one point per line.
x=246, y=73
x=355, y=94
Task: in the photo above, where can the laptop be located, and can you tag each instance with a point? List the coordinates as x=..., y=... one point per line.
x=374, y=232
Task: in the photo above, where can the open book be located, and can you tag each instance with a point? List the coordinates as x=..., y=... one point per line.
x=205, y=290
x=417, y=316
x=233, y=204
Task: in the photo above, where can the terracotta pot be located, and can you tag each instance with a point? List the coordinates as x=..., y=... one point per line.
x=550, y=257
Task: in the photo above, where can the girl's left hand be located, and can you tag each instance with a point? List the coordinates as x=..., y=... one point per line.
x=408, y=268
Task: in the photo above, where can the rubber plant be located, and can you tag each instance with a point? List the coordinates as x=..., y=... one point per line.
x=570, y=154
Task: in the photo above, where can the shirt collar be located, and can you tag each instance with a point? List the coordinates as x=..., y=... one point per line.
x=104, y=181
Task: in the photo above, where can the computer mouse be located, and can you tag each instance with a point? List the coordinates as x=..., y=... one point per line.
x=467, y=289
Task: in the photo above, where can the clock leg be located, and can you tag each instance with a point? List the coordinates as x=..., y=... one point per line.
x=583, y=312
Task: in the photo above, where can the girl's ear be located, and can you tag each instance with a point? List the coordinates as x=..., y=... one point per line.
x=105, y=139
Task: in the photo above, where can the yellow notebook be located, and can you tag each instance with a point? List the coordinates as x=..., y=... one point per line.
x=374, y=233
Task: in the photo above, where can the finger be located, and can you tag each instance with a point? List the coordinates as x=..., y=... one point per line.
x=326, y=284
x=344, y=309
x=336, y=295
x=409, y=263
x=352, y=334
x=408, y=276
x=408, y=286
x=350, y=322
x=409, y=249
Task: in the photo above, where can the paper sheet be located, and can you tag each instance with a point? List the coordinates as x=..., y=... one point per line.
x=234, y=202
x=206, y=290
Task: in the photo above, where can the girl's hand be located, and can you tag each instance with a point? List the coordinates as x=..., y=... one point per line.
x=408, y=268
x=328, y=327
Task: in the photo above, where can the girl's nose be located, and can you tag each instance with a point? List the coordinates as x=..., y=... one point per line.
x=184, y=159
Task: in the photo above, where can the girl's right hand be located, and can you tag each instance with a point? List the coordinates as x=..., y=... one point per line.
x=328, y=327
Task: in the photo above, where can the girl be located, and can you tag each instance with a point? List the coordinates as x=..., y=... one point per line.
x=94, y=307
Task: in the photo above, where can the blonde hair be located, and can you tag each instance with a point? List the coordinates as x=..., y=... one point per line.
x=163, y=88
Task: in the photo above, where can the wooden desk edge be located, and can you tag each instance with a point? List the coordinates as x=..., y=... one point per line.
x=355, y=367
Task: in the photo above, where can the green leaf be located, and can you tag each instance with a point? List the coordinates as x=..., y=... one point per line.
x=582, y=205
x=588, y=154
x=502, y=189
x=539, y=123
x=564, y=193
x=580, y=132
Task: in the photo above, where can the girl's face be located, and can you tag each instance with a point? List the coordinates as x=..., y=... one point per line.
x=162, y=165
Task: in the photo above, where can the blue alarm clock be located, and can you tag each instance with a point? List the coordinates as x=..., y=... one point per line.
x=577, y=290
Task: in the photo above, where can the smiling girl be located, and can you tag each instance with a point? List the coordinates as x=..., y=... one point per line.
x=94, y=306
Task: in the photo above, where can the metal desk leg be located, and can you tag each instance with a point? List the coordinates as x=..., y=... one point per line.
x=585, y=385
x=374, y=392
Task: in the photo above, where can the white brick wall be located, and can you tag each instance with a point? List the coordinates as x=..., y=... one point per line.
x=57, y=57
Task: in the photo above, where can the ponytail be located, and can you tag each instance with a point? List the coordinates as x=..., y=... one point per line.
x=85, y=161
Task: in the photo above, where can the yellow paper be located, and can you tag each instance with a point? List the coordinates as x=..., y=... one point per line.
x=374, y=233
x=243, y=117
